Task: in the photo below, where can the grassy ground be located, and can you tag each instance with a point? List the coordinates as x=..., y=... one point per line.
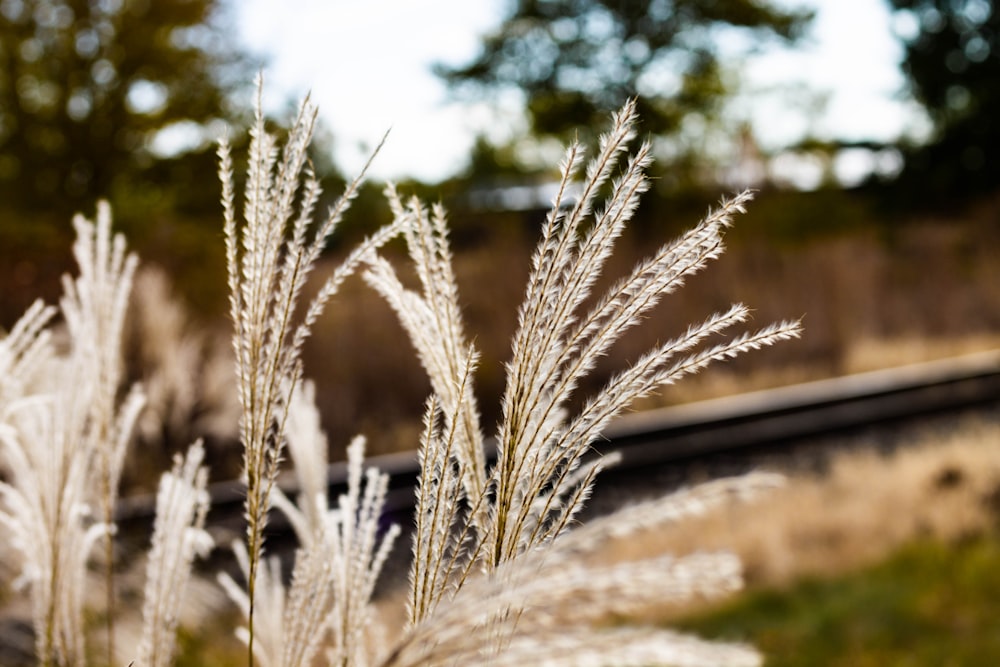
x=880, y=560
x=929, y=604
x=883, y=559
x=941, y=483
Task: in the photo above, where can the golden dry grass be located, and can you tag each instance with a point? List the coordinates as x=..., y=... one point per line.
x=867, y=354
x=865, y=506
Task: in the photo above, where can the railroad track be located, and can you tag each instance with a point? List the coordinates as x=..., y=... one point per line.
x=685, y=433
x=672, y=437
x=826, y=407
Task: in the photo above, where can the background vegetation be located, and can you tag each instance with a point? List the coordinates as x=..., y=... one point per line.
x=899, y=268
x=90, y=92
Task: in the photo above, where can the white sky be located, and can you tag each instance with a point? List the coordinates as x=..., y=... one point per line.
x=367, y=64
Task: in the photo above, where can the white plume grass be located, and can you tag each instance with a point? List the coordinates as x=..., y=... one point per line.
x=490, y=575
x=269, y=259
x=178, y=536
x=94, y=306
x=327, y=603
x=63, y=439
x=23, y=353
x=497, y=573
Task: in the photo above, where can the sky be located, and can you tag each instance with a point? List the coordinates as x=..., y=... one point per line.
x=368, y=66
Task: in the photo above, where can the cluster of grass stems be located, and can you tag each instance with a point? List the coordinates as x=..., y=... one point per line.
x=496, y=575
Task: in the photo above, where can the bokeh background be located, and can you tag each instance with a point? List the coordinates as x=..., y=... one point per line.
x=866, y=126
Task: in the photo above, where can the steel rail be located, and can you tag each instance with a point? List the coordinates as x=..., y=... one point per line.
x=692, y=431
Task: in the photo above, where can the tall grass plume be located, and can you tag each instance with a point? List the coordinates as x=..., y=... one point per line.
x=497, y=573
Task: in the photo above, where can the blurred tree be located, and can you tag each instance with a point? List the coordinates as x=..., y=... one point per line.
x=577, y=60
x=952, y=62
x=87, y=85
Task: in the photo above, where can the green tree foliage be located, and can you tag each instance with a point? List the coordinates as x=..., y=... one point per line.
x=85, y=85
x=952, y=62
x=577, y=60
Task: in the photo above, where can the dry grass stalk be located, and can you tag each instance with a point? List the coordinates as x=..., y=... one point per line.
x=341, y=555
x=497, y=557
x=269, y=259
x=64, y=439
x=178, y=536
x=486, y=551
